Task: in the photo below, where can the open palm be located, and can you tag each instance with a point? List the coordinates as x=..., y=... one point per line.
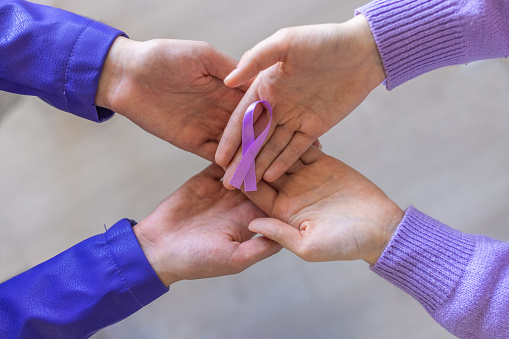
x=313, y=76
x=324, y=210
x=201, y=231
x=173, y=89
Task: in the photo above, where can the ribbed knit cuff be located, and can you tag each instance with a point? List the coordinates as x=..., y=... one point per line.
x=415, y=36
x=425, y=258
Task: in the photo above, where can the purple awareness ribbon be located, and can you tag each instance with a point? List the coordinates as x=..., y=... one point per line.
x=245, y=171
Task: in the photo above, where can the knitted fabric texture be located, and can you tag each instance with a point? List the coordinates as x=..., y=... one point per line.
x=462, y=280
x=418, y=36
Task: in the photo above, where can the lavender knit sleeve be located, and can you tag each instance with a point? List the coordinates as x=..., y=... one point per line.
x=462, y=280
x=418, y=36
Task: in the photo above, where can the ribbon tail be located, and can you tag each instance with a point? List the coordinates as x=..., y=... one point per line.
x=246, y=169
x=250, y=179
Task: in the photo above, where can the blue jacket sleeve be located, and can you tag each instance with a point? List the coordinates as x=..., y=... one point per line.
x=94, y=284
x=55, y=55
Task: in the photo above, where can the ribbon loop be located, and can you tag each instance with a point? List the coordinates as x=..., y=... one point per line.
x=245, y=171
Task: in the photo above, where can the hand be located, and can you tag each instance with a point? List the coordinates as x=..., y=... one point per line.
x=313, y=76
x=200, y=231
x=172, y=89
x=326, y=211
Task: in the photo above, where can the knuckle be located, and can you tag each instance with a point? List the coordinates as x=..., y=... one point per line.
x=284, y=37
x=257, y=62
x=247, y=53
x=295, y=151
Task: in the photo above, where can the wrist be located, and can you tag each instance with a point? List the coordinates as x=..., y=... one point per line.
x=112, y=72
x=150, y=243
x=368, y=48
x=389, y=220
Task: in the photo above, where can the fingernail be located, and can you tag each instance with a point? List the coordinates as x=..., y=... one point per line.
x=231, y=75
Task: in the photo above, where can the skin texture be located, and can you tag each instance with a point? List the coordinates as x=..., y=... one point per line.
x=313, y=76
x=323, y=210
x=201, y=231
x=172, y=89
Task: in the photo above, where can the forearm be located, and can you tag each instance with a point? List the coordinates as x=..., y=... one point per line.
x=94, y=284
x=418, y=36
x=53, y=54
x=460, y=279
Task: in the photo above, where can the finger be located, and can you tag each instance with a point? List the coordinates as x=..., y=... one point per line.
x=252, y=251
x=296, y=167
x=264, y=197
x=226, y=100
x=262, y=56
x=277, y=230
x=207, y=150
x=218, y=63
x=232, y=135
x=230, y=170
x=279, y=183
x=311, y=155
x=222, y=64
x=272, y=149
x=245, y=86
x=297, y=146
x=317, y=144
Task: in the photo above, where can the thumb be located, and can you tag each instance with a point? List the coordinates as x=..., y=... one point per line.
x=218, y=63
x=277, y=230
x=260, y=57
x=252, y=251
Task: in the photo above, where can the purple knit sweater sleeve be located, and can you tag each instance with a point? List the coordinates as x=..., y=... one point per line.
x=418, y=36
x=462, y=280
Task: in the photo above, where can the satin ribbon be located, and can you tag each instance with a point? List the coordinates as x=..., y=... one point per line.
x=246, y=171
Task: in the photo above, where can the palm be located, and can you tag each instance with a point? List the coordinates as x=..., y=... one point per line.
x=339, y=214
x=174, y=90
x=204, y=228
x=318, y=83
x=216, y=222
x=315, y=76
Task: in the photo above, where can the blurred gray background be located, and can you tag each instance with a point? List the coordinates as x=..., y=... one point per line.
x=439, y=142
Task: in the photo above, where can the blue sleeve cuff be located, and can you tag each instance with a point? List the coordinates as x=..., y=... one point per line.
x=135, y=270
x=55, y=55
x=96, y=283
x=83, y=71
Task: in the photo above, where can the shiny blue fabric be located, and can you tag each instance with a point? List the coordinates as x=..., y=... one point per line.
x=55, y=55
x=94, y=284
x=58, y=56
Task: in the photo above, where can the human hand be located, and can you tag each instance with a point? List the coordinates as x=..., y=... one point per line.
x=313, y=76
x=201, y=231
x=172, y=89
x=325, y=210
